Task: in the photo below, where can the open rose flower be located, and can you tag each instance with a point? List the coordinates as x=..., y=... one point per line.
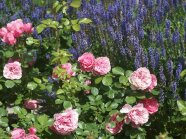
x=12, y=71
x=31, y=136
x=140, y=79
x=31, y=104
x=18, y=133
x=28, y=28
x=150, y=104
x=9, y=39
x=153, y=83
x=65, y=123
x=118, y=125
x=102, y=66
x=3, y=32
x=68, y=69
x=86, y=62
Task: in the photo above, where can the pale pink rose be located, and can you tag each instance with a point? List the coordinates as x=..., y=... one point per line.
x=18, y=133
x=138, y=115
x=31, y=104
x=88, y=82
x=9, y=38
x=86, y=62
x=65, y=123
x=153, y=83
x=12, y=71
x=118, y=125
x=28, y=28
x=31, y=136
x=140, y=79
x=102, y=66
x=68, y=69
x=150, y=104
x=3, y=32
x=16, y=27
x=32, y=130
x=126, y=108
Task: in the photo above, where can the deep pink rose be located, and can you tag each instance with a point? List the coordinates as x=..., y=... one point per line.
x=140, y=79
x=9, y=38
x=16, y=27
x=28, y=28
x=150, y=104
x=18, y=133
x=31, y=136
x=102, y=66
x=3, y=32
x=32, y=130
x=12, y=71
x=65, y=123
x=118, y=125
x=153, y=83
x=31, y=104
x=86, y=62
x=68, y=69
x=138, y=115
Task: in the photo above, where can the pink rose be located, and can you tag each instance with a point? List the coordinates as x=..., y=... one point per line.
x=9, y=38
x=88, y=82
x=86, y=62
x=65, y=123
x=3, y=32
x=31, y=104
x=28, y=28
x=31, y=136
x=118, y=125
x=32, y=130
x=138, y=115
x=140, y=79
x=153, y=83
x=86, y=92
x=102, y=66
x=16, y=27
x=150, y=104
x=68, y=69
x=12, y=71
x=18, y=134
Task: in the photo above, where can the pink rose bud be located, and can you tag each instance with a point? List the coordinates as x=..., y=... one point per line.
x=32, y=130
x=12, y=71
x=88, y=82
x=31, y=104
x=86, y=62
x=102, y=66
x=150, y=104
x=65, y=123
x=18, y=133
x=140, y=79
x=87, y=92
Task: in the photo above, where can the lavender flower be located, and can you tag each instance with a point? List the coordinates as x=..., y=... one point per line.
x=178, y=71
x=162, y=76
x=175, y=37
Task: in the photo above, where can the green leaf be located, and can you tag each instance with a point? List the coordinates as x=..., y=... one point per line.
x=118, y=71
x=40, y=28
x=107, y=81
x=155, y=92
x=182, y=107
x=3, y=112
x=111, y=93
x=43, y=119
x=9, y=54
x=94, y=91
x=130, y=100
x=85, y=21
x=114, y=105
x=76, y=27
x=37, y=80
x=67, y=104
x=98, y=80
x=123, y=80
x=99, y=97
x=9, y=84
x=183, y=73
x=1, y=87
x=75, y=3
x=59, y=91
x=31, y=85
x=58, y=101
x=91, y=98
x=128, y=73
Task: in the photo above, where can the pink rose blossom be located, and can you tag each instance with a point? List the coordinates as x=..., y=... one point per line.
x=12, y=71
x=118, y=125
x=126, y=108
x=9, y=38
x=138, y=115
x=18, y=133
x=86, y=62
x=31, y=104
x=151, y=105
x=65, y=123
x=153, y=83
x=31, y=136
x=3, y=32
x=68, y=69
x=102, y=66
x=88, y=82
x=32, y=130
x=28, y=28
x=140, y=79
x=86, y=92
